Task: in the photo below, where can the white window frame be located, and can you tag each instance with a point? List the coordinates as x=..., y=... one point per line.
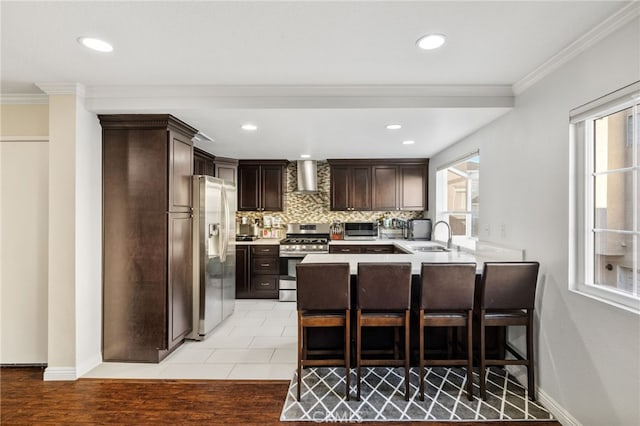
x=466, y=240
x=581, y=208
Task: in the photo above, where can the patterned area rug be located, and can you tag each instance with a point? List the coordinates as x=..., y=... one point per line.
x=383, y=397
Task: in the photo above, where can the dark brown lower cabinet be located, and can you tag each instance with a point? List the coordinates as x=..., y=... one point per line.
x=363, y=248
x=257, y=271
x=243, y=285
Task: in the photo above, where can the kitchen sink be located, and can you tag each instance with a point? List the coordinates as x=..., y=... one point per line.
x=430, y=249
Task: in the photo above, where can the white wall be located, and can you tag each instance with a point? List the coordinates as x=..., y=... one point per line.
x=88, y=240
x=24, y=195
x=588, y=352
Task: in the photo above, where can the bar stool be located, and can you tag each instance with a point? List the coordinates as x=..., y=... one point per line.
x=507, y=297
x=384, y=299
x=323, y=300
x=446, y=300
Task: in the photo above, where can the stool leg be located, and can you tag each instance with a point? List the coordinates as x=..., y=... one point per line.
x=347, y=351
x=406, y=355
x=396, y=342
x=421, y=354
x=530, y=366
x=469, y=355
x=358, y=351
x=300, y=343
x=449, y=342
x=483, y=384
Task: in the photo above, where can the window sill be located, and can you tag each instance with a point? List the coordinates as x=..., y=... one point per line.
x=623, y=302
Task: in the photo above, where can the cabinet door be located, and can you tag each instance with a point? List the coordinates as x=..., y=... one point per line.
x=340, y=185
x=227, y=173
x=248, y=187
x=413, y=182
x=360, y=191
x=180, y=172
x=345, y=249
x=385, y=188
x=199, y=164
x=242, y=272
x=180, y=274
x=376, y=249
x=264, y=286
x=271, y=188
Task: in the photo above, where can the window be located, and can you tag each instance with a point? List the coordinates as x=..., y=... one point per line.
x=458, y=200
x=605, y=215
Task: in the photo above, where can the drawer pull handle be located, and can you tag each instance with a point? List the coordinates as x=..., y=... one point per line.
x=264, y=284
x=265, y=264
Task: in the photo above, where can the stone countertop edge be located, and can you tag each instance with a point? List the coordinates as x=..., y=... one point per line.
x=260, y=242
x=415, y=259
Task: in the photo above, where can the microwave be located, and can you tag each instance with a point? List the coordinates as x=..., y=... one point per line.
x=360, y=230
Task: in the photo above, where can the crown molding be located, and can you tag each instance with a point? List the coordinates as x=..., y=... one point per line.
x=62, y=88
x=24, y=99
x=602, y=30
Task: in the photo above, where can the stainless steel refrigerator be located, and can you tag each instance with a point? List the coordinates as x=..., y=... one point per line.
x=214, y=253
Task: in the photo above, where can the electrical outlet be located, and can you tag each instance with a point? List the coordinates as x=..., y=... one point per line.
x=485, y=229
x=503, y=231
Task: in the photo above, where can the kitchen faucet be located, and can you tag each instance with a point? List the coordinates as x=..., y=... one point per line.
x=448, y=227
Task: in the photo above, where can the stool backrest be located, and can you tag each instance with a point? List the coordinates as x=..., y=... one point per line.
x=447, y=286
x=323, y=286
x=384, y=286
x=509, y=285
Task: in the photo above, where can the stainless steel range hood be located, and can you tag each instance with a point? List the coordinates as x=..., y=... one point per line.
x=307, y=173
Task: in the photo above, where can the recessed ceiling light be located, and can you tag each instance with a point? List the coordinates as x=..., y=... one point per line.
x=249, y=127
x=393, y=126
x=95, y=44
x=431, y=41
x=408, y=142
x=305, y=156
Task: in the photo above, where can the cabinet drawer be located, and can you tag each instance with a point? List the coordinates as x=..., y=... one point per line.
x=345, y=249
x=264, y=283
x=265, y=265
x=378, y=249
x=271, y=250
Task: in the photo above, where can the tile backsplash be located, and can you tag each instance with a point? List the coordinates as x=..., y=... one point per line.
x=304, y=208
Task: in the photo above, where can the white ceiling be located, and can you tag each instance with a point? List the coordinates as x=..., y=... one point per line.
x=320, y=77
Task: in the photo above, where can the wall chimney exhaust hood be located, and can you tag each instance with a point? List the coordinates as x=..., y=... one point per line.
x=307, y=173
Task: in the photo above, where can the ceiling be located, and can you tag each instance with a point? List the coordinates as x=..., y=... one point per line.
x=317, y=77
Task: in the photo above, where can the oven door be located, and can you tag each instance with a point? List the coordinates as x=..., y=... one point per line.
x=287, y=283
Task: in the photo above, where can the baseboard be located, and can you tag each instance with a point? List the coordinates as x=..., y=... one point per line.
x=88, y=365
x=563, y=416
x=558, y=411
x=59, y=374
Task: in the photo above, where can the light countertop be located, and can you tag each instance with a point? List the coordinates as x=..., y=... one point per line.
x=260, y=241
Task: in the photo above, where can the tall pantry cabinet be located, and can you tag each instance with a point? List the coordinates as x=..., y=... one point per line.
x=147, y=235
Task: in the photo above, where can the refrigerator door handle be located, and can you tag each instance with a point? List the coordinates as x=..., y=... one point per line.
x=225, y=239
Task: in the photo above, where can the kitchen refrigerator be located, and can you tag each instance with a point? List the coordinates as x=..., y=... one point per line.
x=214, y=253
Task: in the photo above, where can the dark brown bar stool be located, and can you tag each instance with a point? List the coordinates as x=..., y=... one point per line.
x=323, y=300
x=446, y=300
x=384, y=299
x=507, y=297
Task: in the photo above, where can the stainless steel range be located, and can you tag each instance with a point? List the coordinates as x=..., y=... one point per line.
x=302, y=239
x=305, y=238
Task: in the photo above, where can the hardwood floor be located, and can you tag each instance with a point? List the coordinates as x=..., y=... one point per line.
x=26, y=399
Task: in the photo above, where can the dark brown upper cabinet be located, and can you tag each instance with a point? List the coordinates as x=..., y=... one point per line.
x=147, y=230
x=203, y=163
x=226, y=168
x=350, y=186
x=261, y=184
x=379, y=185
x=400, y=186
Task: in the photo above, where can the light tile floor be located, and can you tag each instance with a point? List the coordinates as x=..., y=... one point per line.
x=258, y=341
